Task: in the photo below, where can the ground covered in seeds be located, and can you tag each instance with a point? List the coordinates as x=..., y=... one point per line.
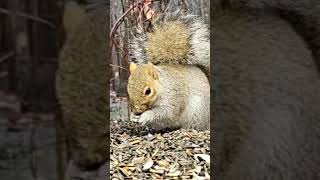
x=141, y=153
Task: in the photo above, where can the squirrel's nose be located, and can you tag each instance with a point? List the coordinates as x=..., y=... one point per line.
x=137, y=113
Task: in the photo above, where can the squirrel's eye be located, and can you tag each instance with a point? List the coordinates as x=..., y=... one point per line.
x=148, y=91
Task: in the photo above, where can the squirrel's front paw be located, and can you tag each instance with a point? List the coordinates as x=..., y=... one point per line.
x=134, y=117
x=146, y=117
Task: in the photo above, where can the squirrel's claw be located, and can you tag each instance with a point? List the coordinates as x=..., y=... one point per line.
x=143, y=118
x=147, y=116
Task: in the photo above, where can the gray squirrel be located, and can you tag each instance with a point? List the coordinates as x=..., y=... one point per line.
x=168, y=85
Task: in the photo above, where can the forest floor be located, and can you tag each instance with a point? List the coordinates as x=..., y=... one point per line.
x=28, y=142
x=28, y=152
x=142, y=153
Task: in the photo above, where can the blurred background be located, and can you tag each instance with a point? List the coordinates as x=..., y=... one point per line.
x=31, y=35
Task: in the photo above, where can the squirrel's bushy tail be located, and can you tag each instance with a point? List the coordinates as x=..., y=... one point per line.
x=177, y=37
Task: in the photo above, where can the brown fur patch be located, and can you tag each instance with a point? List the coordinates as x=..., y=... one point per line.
x=169, y=41
x=140, y=79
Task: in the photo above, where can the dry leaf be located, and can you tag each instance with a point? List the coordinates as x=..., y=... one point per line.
x=150, y=14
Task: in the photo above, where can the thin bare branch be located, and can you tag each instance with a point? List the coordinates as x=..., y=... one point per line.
x=7, y=56
x=121, y=18
x=117, y=45
x=27, y=16
x=112, y=65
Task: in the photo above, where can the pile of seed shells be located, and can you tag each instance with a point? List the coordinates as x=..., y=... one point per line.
x=141, y=153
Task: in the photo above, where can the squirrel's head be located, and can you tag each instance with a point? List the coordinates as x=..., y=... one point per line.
x=142, y=87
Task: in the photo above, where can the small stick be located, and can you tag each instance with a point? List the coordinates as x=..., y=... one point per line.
x=118, y=66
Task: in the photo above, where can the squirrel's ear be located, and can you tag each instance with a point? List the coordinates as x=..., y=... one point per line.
x=133, y=66
x=151, y=71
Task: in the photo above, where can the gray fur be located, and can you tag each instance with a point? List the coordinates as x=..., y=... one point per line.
x=182, y=101
x=137, y=53
x=266, y=108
